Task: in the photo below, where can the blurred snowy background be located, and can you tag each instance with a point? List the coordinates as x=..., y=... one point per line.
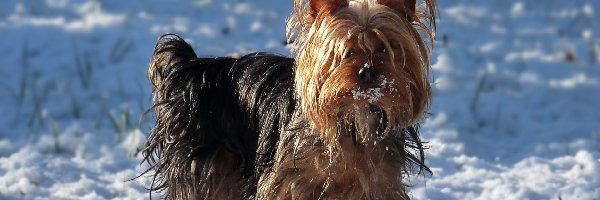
x=515, y=114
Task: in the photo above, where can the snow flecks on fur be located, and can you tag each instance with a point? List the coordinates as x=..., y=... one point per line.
x=372, y=95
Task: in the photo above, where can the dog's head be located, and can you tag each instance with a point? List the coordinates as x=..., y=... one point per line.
x=362, y=65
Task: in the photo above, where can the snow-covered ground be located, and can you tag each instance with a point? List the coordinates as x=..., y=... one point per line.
x=515, y=114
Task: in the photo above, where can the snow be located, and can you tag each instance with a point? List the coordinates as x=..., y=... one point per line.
x=515, y=111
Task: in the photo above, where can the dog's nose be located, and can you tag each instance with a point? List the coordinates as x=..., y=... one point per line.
x=366, y=74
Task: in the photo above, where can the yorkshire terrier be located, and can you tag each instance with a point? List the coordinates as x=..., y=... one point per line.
x=338, y=121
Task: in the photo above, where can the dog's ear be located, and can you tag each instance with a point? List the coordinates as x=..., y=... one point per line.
x=326, y=6
x=406, y=8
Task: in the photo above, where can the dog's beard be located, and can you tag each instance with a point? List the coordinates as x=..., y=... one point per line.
x=363, y=125
x=369, y=114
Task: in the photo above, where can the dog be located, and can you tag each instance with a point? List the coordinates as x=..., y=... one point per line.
x=337, y=121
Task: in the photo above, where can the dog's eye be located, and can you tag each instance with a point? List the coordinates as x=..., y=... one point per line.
x=382, y=50
x=349, y=53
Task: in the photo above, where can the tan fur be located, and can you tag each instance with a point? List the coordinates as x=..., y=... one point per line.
x=324, y=163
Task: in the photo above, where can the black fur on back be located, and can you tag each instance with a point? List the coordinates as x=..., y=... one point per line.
x=209, y=107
